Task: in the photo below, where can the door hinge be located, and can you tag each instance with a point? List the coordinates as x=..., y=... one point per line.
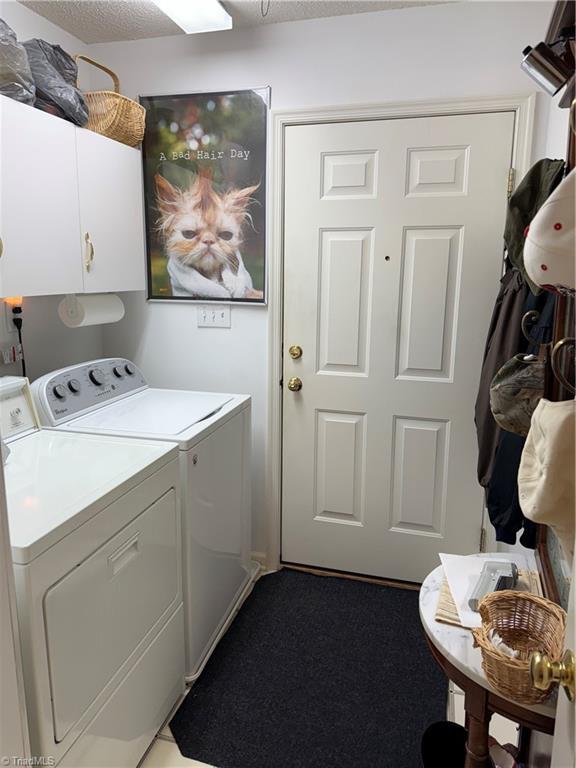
x=482, y=539
x=511, y=180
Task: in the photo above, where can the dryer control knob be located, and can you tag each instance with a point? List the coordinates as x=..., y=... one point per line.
x=59, y=391
x=96, y=377
x=130, y=370
x=118, y=372
x=74, y=386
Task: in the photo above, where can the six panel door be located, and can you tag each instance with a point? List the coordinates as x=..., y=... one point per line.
x=393, y=253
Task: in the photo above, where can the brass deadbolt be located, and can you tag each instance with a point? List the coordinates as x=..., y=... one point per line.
x=295, y=352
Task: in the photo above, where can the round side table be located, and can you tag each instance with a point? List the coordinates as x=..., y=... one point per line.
x=453, y=649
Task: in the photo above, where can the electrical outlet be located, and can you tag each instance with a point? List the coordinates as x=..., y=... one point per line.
x=214, y=316
x=8, y=315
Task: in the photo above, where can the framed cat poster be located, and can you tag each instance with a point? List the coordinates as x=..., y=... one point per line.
x=204, y=158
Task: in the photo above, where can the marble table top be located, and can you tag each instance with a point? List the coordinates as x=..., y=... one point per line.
x=456, y=643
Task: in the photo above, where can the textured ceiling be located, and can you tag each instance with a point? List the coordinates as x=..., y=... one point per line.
x=101, y=21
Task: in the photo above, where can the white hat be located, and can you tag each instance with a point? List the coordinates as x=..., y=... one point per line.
x=549, y=257
x=546, y=473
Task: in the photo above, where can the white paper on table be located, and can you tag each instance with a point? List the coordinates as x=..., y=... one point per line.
x=463, y=571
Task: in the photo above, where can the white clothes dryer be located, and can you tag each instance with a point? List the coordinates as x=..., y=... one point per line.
x=213, y=432
x=95, y=536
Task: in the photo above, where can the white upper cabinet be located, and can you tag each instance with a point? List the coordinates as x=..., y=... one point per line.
x=39, y=219
x=71, y=212
x=111, y=215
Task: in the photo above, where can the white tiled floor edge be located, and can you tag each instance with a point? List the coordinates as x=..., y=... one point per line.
x=165, y=754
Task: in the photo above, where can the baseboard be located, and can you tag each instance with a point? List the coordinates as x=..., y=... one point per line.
x=260, y=558
x=353, y=576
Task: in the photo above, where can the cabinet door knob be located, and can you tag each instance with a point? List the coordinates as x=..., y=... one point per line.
x=89, y=257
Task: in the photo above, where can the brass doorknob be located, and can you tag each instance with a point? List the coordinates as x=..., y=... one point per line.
x=295, y=351
x=546, y=673
x=295, y=384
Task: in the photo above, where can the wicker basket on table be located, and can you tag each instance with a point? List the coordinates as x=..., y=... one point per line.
x=526, y=623
x=112, y=114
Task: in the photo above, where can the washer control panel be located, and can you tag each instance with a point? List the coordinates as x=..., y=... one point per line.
x=73, y=391
x=17, y=413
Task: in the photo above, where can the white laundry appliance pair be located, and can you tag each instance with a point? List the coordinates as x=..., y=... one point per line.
x=95, y=535
x=213, y=433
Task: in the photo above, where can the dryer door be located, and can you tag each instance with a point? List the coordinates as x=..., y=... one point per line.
x=100, y=612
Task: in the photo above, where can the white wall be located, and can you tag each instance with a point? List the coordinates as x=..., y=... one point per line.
x=439, y=52
x=28, y=24
x=47, y=342
x=557, y=130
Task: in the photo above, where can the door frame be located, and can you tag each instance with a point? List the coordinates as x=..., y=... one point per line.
x=523, y=106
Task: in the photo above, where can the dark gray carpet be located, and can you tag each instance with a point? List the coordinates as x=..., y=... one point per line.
x=316, y=672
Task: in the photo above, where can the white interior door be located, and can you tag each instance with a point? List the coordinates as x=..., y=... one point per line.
x=393, y=252
x=564, y=748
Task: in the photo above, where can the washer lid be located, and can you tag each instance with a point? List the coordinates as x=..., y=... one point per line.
x=55, y=481
x=167, y=412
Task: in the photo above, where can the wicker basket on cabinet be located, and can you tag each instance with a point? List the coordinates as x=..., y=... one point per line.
x=112, y=114
x=526, y=623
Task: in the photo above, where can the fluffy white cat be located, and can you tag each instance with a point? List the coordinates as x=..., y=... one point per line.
x=202, y=232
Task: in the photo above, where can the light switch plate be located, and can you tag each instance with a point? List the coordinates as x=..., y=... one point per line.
x=213, y=316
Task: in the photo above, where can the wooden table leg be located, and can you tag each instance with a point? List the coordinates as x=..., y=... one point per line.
x=478, y=719
x=477, y=745
x=524, y=739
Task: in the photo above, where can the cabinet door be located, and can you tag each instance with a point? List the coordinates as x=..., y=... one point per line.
x=39, y=219
x=111, y=214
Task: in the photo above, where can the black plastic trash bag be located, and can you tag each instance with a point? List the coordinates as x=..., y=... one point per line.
x=15, y=75
x=54, y=72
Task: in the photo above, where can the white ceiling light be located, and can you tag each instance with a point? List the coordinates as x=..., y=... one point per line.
x=195, y=16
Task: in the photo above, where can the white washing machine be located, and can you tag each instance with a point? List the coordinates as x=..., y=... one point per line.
x=213, y=432
x=95, y=536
